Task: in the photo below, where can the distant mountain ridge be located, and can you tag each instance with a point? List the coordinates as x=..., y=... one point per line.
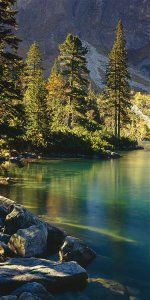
x=49, y=21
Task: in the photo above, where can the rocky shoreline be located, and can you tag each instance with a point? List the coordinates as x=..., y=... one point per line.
x=20, y=160
x=28, y=272
x=26, y=242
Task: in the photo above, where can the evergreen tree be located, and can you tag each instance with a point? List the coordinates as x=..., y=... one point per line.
x=118, y=89
x=92, y=110
x=10, y=69
x=35, y=98
x=56, y=99
x=74, y=70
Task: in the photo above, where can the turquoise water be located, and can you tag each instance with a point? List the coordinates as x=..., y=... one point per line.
x=106, y=203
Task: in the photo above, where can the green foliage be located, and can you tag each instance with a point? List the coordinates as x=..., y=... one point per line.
x=10, y=71
x=78, y=141
x=56, y=101
x=35, y=98
x=118, y=91
x=64, y=115
x=74, y=70
x=72, y=104
x=142, y=101
x=126, y=143
x=138, y=128
x=92, y=111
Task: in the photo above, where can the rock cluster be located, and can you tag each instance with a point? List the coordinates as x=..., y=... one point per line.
x=26, y=242
x=27, y=273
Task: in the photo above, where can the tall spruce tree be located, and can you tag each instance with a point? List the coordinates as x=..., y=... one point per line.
x=118, y=82
x=74, y=70
x=10, y=69
x=35, y=98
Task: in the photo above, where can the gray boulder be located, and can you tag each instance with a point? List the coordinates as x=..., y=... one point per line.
x=55, y=276
x=19, y=218
x=30, y=242
x=76, y=250
x=34, y=288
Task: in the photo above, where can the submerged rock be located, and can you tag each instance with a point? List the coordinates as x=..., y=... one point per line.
x=30, y=242
x=54, y=276
x=34, y=289
x=28, y=296
x=10, y=297
x=74, y=296
x=76, y=250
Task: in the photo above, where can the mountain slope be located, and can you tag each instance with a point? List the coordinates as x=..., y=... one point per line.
x=97, y=66
x=49, y=21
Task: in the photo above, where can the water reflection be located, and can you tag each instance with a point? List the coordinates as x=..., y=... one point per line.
x=106, y=203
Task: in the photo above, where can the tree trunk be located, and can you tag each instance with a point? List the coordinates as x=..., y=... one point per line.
x=116, y=119
x=119, y=118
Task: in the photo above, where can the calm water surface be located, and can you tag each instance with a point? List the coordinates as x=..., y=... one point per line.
x=106, y=203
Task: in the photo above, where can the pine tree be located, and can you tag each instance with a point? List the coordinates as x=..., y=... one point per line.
x=10, y=68
x=118, y=88
x=35, y=98
x=74, y=70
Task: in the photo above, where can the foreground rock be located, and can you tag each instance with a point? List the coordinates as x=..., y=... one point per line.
x=30, y=242
x=55, y=276
x=76, y=250
x=26, y=236
x=102, y=289
x=27, y=242
x=33, y=289
x=19, y=218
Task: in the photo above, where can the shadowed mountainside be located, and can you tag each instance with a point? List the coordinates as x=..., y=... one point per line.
x=48, y=21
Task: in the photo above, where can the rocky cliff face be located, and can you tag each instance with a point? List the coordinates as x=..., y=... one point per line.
x=49, y=21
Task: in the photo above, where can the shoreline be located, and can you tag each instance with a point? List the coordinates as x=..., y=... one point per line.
x=87, y=287
x=22, y=159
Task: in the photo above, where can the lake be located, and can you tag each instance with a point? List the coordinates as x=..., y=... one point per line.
x=106, y=203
